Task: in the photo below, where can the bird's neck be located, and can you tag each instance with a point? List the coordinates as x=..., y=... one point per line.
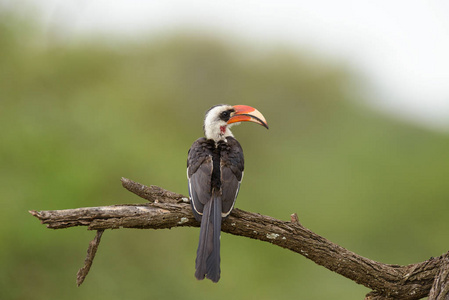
x=218, y=133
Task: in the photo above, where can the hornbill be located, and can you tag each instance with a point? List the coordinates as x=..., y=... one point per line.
x=215, y=171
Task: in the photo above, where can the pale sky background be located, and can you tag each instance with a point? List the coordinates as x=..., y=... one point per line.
x=400, y=47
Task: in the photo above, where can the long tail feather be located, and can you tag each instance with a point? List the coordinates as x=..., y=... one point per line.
x=208, y=253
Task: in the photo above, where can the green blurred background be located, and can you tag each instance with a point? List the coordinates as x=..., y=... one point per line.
x=78, y=116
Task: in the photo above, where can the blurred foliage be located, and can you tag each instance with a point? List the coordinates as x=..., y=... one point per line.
x=77, y=116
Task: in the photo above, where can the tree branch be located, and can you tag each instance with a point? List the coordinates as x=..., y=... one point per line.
x=167, y=210
x=440, y=287
x=91, y=251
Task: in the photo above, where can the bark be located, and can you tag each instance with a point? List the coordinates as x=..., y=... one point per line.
x=440, y=287
x=167, y=210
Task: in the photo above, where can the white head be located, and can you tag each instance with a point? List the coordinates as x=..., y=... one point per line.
x=220, y=118
x=216, y=125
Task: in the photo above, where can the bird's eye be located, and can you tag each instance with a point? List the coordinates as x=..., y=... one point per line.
x=225, y=115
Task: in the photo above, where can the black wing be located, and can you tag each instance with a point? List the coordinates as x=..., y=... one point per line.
x=231, y=167
x=199, y=174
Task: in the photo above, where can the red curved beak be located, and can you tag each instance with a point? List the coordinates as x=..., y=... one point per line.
x=245, y=113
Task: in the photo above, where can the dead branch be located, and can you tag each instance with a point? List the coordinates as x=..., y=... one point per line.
x=167, y=210
x=91, y=251
x=440, y=287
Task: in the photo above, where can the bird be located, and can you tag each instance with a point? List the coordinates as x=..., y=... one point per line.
x=215, y=166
